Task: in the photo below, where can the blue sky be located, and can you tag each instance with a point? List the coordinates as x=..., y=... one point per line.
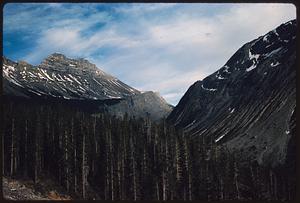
x=159, y=47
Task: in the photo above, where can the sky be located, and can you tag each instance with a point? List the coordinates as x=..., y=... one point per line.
x=162, y=47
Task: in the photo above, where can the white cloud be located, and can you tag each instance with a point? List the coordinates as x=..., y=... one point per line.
x=140, y=8
x=182, y=32
x=71, y=42
x=35, y=17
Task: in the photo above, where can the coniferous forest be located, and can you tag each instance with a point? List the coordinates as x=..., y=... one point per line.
x=98, y=156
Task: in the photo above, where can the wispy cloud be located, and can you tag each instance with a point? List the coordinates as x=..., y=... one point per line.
x=159, y=47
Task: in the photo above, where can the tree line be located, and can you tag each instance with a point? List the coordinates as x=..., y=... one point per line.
x=98, y=156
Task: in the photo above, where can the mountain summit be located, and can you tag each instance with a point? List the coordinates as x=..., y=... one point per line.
x=62, y=77
x=57, y=61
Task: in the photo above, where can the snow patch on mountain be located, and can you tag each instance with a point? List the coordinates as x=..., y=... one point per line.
x=211, y=89
x=275, y=51
x=219, y=138
x=275, y=64
x=252, y=67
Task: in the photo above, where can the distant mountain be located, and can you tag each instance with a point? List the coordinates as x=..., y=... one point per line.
x=59, y=77
x=135, y=106
x=249, y=104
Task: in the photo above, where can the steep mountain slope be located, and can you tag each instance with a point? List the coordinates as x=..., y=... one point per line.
x=62, y=78
x=249, y=104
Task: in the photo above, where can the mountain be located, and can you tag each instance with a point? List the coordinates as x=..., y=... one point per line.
x=135, y=106
x=59, y=76
x=249, y=104
x=62, y=78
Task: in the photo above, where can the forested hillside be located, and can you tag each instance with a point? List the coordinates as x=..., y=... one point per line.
x=97, y=156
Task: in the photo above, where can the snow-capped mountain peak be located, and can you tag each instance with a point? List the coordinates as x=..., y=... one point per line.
x=62, y=77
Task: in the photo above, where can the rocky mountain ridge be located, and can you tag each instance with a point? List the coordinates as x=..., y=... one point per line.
x=248, y=104
x=59, y=76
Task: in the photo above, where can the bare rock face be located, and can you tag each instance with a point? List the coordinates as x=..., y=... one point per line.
x=60, y=62
x=155, y=109
x=249, y=103
x=59, y=77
